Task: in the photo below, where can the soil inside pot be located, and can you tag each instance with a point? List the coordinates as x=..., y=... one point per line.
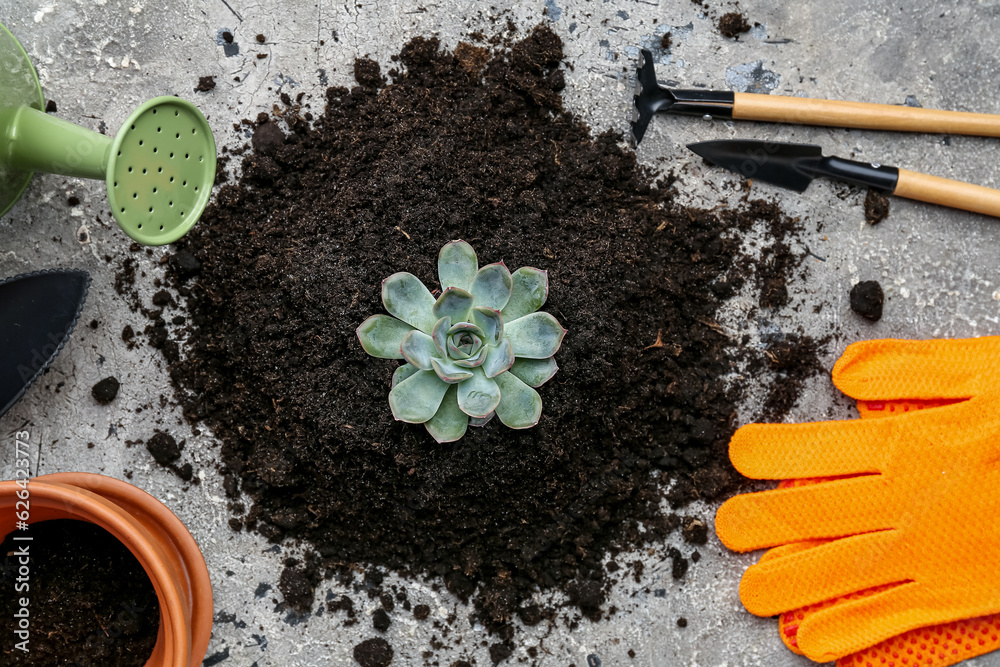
x=471, y=145
x=90, y=601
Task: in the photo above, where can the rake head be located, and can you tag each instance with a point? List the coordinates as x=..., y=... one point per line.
x=651, y=97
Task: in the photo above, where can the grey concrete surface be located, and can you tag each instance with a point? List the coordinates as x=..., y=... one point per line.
x=98, y=59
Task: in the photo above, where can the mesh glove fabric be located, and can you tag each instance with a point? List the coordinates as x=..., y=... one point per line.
x=901, y=531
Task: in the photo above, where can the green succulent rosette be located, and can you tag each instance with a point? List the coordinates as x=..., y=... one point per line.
x=477, y=350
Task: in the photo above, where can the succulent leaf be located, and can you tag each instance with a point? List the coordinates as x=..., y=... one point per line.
x=401, y=373
x=528, y=294
x=535, y=336
x=498, y=359
x=475, y=360
x=417, y=398
x=466, y=326
x=449, y=423
x=520, y=406
x=381, y=336
x=455, y=303
x=440, y=335
x=534, y=372
x=492, y=286
x=457, y=265
x=457, y=353
x=491, y=323
x=450, y=373
x=404, y=296
x=479, y=395
x=418, y=349
x=482, y=421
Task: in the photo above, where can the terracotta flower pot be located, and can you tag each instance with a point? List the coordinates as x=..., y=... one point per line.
x=154, y=535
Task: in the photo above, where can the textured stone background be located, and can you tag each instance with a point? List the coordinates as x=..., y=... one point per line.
x=98, y=59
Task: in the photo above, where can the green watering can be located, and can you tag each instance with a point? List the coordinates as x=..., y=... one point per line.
x=159, y=168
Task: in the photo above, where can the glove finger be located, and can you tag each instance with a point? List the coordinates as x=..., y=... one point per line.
x=822, y=573
x=863, y=622
x=915, y=369
x=789, y=549
x=782, y=516
x=819, y=449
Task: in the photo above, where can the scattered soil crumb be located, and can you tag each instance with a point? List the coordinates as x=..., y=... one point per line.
x=694, y=530
x=876, y=207
x=381, y=620
x=500, y=651
x=421, y=612
x=164, y=448
x=50, y=107
x=162, y=298
x=665, y=41
x=106, y=390
x=298, y=584
x=867, y=298
x=682, y=622
x=375, y=652
x=205, y=84
x=733, y=25
x=73, y=201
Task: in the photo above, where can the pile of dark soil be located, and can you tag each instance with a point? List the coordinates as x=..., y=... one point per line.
x=467, y=145
x=91, y=603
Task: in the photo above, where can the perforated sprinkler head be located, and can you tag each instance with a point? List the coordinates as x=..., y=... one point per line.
x=159, y=168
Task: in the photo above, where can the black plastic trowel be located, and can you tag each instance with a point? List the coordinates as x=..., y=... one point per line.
x=794, y=166
x=38, y=312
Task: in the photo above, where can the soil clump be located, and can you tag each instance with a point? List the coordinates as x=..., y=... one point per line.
x=733, y=24
x=106, y=390
x=876, y=207
x=867, y=299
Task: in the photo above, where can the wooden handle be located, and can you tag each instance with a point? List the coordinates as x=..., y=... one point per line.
x=946, y=192
x=807, y=111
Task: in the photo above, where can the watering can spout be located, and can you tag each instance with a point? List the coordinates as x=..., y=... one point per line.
x=35, y=141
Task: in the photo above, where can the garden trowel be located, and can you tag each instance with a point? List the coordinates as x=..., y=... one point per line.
x=159, y=169
x=794, y=166
x=38, y=312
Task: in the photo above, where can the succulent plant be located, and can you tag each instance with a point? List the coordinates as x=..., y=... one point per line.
x=476, y=350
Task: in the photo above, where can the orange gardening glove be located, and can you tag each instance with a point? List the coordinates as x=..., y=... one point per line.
x=933, y=646
x=912, y=513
